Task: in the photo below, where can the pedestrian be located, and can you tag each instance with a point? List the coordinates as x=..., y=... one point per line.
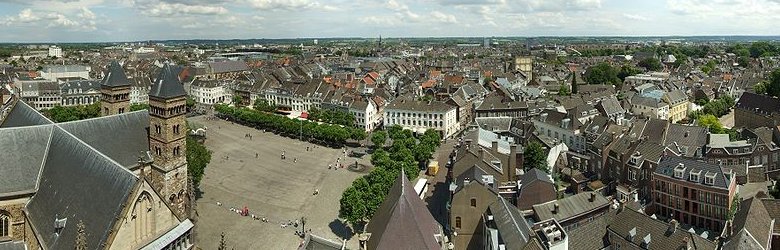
x=295, y=160
x=256, y=155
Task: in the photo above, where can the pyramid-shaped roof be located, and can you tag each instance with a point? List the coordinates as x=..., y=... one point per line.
x=115, y=76
x=403, y=221
x=167, y=84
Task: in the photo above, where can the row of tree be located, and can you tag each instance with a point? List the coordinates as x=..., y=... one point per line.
x=198, y=157
x=326, y=133
x=72, y=113
x=360, y=201
x=332, y=116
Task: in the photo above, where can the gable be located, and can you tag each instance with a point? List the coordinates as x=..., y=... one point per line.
x=145, y=219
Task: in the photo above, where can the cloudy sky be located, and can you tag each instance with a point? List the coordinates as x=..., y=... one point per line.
x=136, y=20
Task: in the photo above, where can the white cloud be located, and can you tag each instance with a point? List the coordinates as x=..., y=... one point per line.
x=444, y=18
x=160, y=8
x=282, y=4
x=635, y=17
x=82, y=21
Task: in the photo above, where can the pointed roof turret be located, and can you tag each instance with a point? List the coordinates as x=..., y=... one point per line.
x=403, y=221
x=167, y=84
x=115, y=76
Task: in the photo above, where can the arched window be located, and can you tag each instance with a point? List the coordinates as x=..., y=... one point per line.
x=457, y=222
x=143, y=217
x=5, y=224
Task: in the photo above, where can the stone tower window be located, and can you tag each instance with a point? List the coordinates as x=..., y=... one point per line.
x=157, y=129
x=5, y=224
x=177, y=150
x=176, y=129
x=157, y=150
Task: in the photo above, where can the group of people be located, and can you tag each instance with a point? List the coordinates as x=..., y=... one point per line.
x=248, y=136
x=245, y=212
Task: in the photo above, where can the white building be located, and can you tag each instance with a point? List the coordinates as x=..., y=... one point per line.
x=419, y=116
x=143, y=50
x=561, y=127
x=650, y=107
x=55, y=51
x=367, y=115
x=79, y=92
x=210, y=92
x=40, y=93
x=52, y=72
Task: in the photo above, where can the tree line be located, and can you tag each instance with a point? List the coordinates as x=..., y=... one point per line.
x=360, y=201
x=332, y=116
x=325, y=133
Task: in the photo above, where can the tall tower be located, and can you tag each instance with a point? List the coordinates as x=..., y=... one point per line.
x=167, y=140
x=114, y=91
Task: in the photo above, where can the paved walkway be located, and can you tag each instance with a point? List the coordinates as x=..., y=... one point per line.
x=279, y=190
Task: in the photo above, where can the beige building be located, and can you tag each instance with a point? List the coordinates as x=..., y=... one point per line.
x=66, y=186
x=678, y=105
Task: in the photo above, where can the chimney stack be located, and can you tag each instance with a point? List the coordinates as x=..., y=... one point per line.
x=592, y=197
x=481, y=153
x=510, y=174
x=494, y=145
x=555, y=208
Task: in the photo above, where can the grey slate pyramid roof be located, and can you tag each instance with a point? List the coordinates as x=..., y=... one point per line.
x=167, y=84
x=403, y=221
x=115, y=76
x=23, y=151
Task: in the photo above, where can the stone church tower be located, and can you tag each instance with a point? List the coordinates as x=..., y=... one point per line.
x=167, y=140
x=114, y=91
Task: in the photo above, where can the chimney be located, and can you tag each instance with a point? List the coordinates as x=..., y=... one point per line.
x=481, y=153
x=510, y=170
x=672, y=226
x=592, y=197
x=555, y=208
x=494, y=145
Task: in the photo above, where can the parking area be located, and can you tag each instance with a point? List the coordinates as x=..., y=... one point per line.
x=250, y=172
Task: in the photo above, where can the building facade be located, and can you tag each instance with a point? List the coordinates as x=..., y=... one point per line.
x=693, y=192
x=419, y=116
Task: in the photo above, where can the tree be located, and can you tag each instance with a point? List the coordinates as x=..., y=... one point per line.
x=651, y=64
x=773, y=86
x=222, y=242
x=735, y=203
x=602, y=73
x=534, y=157
x=139, y=106
x=198, y=157
x=760, y=88
x=237, y=100
x=190, y=103
x=563, y=90
x=379, y=138
x=711, y=122
x=763, y=48
x=263, y=105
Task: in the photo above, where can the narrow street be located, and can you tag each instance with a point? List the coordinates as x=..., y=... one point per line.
x=438, y=191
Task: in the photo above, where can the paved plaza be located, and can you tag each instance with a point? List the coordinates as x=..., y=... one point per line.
x=279, y=190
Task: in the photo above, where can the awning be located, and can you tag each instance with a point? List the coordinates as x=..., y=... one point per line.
x=170, y=236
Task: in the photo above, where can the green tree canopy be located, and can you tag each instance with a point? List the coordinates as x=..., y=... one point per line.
x=378, y=138
x=198, y=157
x=650, y=63
x=626, y=71
x=602, y=73
x=773, y=86
x=534, y=157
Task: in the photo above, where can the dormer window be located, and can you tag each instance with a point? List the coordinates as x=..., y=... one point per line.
x=679, y=171
x=694, y=176
x=709, y=179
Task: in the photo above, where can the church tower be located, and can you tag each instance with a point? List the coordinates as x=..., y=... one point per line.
x=167, y=140
x=114, y=91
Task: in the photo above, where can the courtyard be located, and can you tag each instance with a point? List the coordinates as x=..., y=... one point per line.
x=250, y=172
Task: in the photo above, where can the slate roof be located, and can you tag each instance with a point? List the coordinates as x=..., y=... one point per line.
x=661, y=239
x=414, y=105
x=475, y=174
x=751, y=101
x=692, y=138
x=752, y=217
x=125, y=147
x=403, y=221
x=495, y=124
x=570, y=207
x=647, y=102
x=115, y=76
x=22, y=115
x=535, y=175
x=228, y=66
x=772, y=207
x=167, y=85
x=668, y=163
x=80, y=184
x=513, y=228
x=591, y=235
x=23, y=151
x=611, y=105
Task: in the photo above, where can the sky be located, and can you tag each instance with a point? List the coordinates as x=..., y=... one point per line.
x=139, y=20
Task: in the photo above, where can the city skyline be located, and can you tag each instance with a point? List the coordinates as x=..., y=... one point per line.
x=137, y=20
